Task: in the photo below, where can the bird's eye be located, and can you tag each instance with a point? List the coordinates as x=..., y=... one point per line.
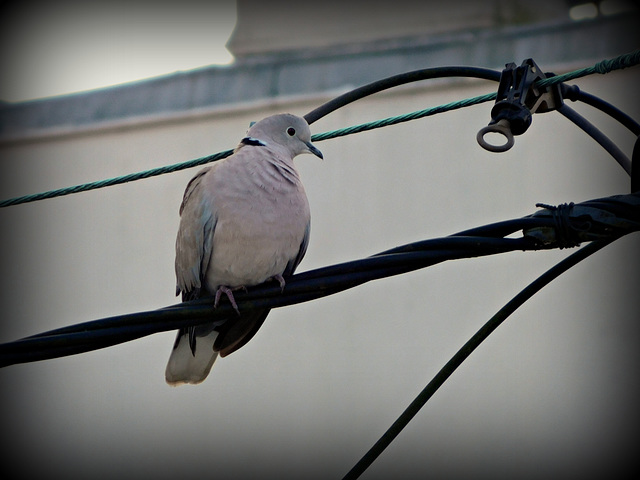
x=291, y=131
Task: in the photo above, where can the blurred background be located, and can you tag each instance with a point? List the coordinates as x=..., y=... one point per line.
x=93, y=90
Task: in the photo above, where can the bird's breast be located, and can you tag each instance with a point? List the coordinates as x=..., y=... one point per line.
x=260, y=227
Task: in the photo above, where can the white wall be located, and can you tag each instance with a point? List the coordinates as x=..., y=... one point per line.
x=552, y=391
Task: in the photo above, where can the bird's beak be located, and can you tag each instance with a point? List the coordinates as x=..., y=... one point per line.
x=314, y=150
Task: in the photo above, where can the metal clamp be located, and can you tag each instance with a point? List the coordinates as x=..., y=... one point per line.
x=516, y=100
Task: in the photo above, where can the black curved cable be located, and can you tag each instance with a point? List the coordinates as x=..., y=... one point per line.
x=305, y=286
x=397, y=80
x=461, y=355
x=575, y=94
x=597, y=135
x=572, y=92
x=479, y=241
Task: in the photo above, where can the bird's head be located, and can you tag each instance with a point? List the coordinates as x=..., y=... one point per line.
x=285, y=131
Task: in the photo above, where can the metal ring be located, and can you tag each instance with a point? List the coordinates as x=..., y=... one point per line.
x=502, y=127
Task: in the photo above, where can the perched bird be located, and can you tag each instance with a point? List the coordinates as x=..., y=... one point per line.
x=243, y=220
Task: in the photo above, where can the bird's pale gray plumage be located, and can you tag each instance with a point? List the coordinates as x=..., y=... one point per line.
x=243, y=220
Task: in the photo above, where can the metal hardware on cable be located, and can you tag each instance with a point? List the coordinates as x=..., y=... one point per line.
x=589, y=221
x=562, y=234
x=517, y=99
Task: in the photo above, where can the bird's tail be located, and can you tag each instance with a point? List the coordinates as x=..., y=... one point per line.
x=192, y=356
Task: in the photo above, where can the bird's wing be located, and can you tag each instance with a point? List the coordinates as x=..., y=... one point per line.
x=294, y=262
x=194, y=242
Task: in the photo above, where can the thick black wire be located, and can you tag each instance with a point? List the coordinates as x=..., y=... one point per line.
x=461, y=355
x=302, y=287
x=597, y=135
x=479, y=241
x=574, y=93
x=310, y=285
x=397, y=80
x=496, y=230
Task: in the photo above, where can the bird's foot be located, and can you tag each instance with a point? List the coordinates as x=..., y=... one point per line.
x=229, y=293
x=278, y=278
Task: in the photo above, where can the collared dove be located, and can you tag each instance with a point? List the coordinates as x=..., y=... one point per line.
x=243, y=220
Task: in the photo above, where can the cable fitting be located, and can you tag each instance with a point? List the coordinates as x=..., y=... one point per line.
x=562, y=233
x=517, y=99
x=571, y=224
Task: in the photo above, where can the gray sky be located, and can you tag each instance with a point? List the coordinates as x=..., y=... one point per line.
x=53, y=48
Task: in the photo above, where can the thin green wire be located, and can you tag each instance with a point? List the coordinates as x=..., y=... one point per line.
x=605, y=66
x=602, y=67
x=447, y=107
x=218, y=156
x=116, y=180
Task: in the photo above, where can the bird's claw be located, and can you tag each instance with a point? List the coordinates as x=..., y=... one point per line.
x=229, y=293
x=278, y=278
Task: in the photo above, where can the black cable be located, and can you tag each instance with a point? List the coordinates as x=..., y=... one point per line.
x=461, y=355
x=397, y=80
x=574, y=93
x=305, y=286
x=622, y=215
x=597, y=135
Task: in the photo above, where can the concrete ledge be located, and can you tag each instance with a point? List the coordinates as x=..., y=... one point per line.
x=294, y=73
